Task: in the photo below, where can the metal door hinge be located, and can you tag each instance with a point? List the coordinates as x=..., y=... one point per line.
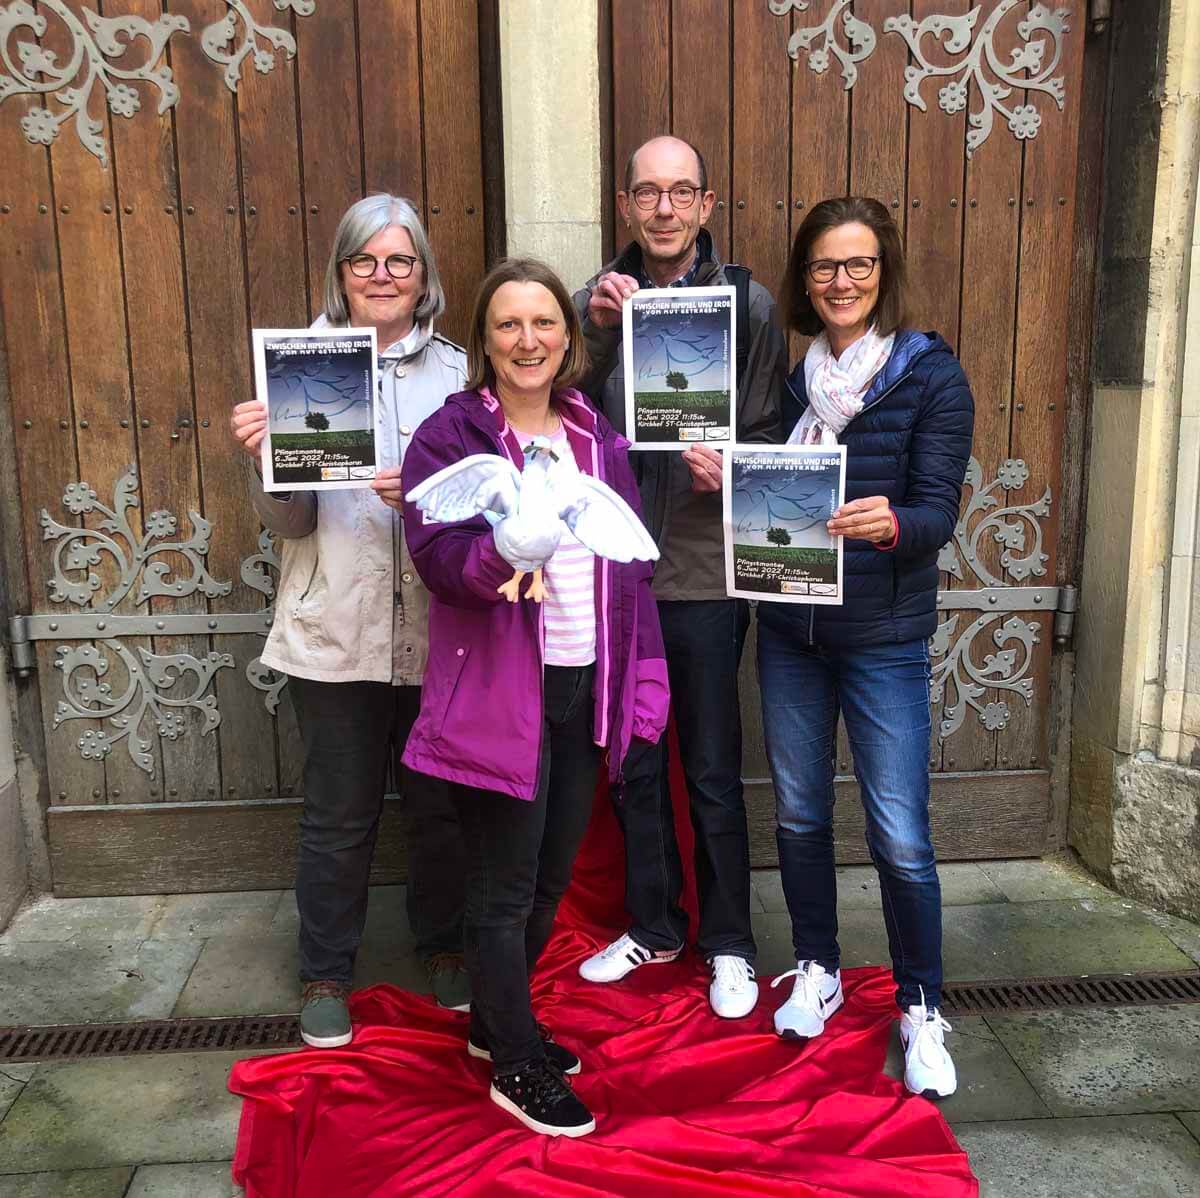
x=1064, y=615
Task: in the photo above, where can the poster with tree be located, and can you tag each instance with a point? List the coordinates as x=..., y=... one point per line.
x=680, y=367
x=778, y=499
x=319, y=386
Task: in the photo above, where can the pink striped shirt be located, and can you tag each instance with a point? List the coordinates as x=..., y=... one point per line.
x=569, y=612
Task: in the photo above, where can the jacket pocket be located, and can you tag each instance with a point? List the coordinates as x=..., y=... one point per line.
x=439, y=691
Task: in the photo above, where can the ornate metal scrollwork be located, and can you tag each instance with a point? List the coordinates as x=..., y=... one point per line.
x=1006, y=670
x=1015, y=527
x=95, y=54
x=151, y=677
x=1027, y=69
x=78, y=549
x=158, y=690
x=860, y=38
x=90, y=61
x=219, y=40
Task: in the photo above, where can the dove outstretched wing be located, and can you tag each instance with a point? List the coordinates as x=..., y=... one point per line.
x=483, y=482
x=603, y=521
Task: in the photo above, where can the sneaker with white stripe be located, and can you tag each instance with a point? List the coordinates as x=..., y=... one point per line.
x=816, y=994
x=928, y=1069
x=621, y=958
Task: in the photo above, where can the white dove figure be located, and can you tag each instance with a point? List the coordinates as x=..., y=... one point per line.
x=529, y=511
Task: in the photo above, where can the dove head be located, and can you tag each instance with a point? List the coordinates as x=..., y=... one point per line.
x=540, y=446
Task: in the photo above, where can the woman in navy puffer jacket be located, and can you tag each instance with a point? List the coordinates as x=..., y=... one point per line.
x=899, y=401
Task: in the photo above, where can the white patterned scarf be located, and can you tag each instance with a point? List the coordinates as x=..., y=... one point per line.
x=836, y=387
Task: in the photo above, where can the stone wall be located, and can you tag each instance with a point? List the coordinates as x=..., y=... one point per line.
x=1135, y=804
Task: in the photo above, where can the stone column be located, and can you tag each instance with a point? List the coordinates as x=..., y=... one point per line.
x=1135, y=803
x=550, y=77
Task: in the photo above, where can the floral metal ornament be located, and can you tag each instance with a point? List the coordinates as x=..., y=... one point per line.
x=860, y=38
x=1006, y=670
x=1026, y=70
x=260, y=43
x=77, y=549
x=93, y=59
x=1015, y=526
x=159, y=688
x=150, y=695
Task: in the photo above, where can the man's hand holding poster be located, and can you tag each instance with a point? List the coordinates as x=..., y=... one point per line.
x=680, y=366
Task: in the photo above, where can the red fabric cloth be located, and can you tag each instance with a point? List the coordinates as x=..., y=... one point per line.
x=685, y=1103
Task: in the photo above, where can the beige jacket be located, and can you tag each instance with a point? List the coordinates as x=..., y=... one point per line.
x=350, y=606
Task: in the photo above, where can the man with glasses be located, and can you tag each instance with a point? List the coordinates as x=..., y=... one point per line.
x=663, y=206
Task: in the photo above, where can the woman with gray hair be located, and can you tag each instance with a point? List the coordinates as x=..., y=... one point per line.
x=350, y=631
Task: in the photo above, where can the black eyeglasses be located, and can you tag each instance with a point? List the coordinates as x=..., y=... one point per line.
x=399, y=266
x=682, y=195
x=824, y=270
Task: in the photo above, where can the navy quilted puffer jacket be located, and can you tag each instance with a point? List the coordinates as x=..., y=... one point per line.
x=911, y=443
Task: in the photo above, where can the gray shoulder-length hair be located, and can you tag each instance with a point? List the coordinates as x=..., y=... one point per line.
x=361, y=221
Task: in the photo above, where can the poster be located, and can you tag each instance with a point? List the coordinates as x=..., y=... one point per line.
x=319, y=386
x=778, y=499
x=680, y=367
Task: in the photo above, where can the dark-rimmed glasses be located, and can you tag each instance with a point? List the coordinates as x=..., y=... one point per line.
x=362, y=266
x=824, y=270
x=682, y=195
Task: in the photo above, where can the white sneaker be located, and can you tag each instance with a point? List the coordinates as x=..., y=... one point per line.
x=733, y=991
x=622, y=957
x=928, y=1069
x=816, y=994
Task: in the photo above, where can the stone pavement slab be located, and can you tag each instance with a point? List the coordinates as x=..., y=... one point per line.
x=990, y=1086
x=243, y=975
x=85, y=1183
x=1036, y=881
x=1116, y=1156
x=173, y=1108
x=12, y=1082
x=1036, y=939
x=210, y=1180
x=1190, y=1120
x=858, y=887
x=861, y=935
x=67, y=982
x=244, y=913
x=1122, y=1060
x=1184, y=935
x=90, y=919
x=386, y=914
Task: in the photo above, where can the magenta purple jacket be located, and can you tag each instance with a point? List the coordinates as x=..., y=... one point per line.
x=481, y=703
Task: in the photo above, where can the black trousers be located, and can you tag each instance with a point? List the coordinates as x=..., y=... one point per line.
x=350, y=732
x=703, y=640
x=519, y=860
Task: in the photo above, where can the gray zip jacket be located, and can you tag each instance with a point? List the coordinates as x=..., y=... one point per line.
x=350, y=606
x=687, y=525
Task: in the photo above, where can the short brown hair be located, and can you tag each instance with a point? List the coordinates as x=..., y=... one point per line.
x=888, y=314
x=523, y=270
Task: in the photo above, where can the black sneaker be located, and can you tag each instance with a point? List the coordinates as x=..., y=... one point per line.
x=542, y=1098
x=563, y=1059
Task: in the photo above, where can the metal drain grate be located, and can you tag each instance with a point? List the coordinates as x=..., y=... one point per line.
x=1053, y=994
x=74, y=1041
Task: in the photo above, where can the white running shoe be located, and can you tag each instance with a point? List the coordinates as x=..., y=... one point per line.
x=622, y=957
x=816, y=994
x=928, y=1069
x=733, y=991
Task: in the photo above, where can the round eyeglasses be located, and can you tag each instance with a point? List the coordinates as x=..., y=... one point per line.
x=362, y=266
x=824, y=270
x=682, y=195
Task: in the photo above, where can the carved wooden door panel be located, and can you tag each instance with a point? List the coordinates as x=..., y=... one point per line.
x=965, y=121
x=169, y=179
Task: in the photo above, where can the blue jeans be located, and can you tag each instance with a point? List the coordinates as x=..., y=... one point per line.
x=882, y=693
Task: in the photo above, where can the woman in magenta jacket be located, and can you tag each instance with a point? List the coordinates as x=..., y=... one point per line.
x=522, y=700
